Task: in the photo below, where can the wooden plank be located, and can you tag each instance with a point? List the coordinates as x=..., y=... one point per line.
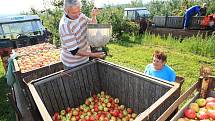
x=96, y=80
x=82, y=86
x=136, y=94
x=130, y=92
x=172, y=108
x=78, y=88
x=143, y=102
x=86, y=82
x=43, y=111
x=46, y=99
x=103, y=77
x=57, y=98
x=179, y=114
x=123, y=89
x=67, y=79
x=90, y=80
x=62, y=90
x=73, y=89
x=147, y=113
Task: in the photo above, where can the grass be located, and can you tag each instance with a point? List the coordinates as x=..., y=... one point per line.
x=135, y=52
x=138, y=55
x=6, y=110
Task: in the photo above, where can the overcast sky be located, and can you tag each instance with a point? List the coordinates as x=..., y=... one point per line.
x=8, y=7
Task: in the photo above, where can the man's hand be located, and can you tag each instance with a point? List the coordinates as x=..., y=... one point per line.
x=94, y=12
x=99, y=54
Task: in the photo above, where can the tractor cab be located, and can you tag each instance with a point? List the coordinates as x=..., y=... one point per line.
x=20, y=31
x=135, y=14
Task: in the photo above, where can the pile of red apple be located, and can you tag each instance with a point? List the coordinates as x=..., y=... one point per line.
x=37, y=56
x=34, y=49
x=100, y=107
x=200, y=110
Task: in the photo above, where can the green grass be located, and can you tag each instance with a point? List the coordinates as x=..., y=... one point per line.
x=137, y=56
x=6, y=110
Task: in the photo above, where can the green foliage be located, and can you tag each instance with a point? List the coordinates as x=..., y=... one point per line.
x=177, y=7
x=87, y=6
x=114, y=16
x=51, y=19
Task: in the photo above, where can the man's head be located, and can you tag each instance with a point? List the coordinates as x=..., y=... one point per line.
x=159, y=59
x=204, y=5
x=72, y=8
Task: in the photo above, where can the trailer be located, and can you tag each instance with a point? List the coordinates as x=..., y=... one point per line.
x=173, y=25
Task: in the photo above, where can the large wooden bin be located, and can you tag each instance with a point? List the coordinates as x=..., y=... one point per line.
x=194, y=92
x=148, y=97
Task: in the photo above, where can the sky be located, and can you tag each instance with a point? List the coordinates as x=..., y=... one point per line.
x=10, y=7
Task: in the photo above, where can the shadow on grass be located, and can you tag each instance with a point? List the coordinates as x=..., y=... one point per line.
x=6, y=110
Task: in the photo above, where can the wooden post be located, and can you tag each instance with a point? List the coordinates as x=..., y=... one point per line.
x=205, y=72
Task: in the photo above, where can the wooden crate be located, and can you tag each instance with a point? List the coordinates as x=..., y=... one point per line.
x=174, y=22
x=149, y=97
x=160, y=21
x=194, y=92
x=177, y=22
x=37, y=73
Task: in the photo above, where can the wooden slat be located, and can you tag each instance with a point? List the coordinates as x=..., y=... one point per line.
x=179, y=114
x=96, y=80
x=172, y=108
x=90, y=80
x=72, y=86
x=39, y=103
x=67, y=79
x=47, y=101
x=56, y=96
x=146, y=114
x=82, y=86
x=87, y=85
x=136, y=93
x=78, y=88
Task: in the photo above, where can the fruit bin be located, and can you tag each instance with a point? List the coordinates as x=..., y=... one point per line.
x=147, y=96
x=36, y=61
x=203, y=88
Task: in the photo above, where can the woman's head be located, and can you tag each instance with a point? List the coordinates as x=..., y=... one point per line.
x=159, y=59
x=72, y=8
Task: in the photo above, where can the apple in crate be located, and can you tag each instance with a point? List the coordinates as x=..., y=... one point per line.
x=210, y=106
x=210, y=99
x=211, y=114
x=189, y=113
x=194, y=107
x=202, y=115
x=201, y=102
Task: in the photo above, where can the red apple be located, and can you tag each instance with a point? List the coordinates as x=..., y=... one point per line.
x=189, y=113
x=130, y=110
x=210, y=106
x=210, y=99
x=202, y=115
x=211, y=114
